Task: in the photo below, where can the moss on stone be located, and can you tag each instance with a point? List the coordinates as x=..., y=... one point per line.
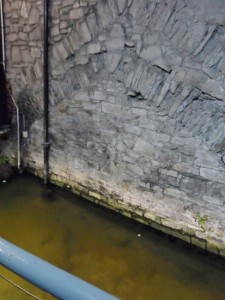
x=212, y=248
x=190, y=233
x=181, y=236
x=198, y=242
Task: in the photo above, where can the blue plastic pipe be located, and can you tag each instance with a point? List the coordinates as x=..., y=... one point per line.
x=42, y=274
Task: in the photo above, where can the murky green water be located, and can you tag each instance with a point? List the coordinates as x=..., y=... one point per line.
x=101, y=248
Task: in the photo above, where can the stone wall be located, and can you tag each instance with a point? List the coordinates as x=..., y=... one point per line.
x=137, y=106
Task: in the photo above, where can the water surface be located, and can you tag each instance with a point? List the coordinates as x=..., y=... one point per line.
x=113, y=253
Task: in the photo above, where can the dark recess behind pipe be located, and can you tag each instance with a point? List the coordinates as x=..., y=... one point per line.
x=46, y=144
x=3, y=99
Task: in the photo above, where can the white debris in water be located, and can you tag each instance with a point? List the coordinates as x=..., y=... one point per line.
x=139, y=235
x=3, y=181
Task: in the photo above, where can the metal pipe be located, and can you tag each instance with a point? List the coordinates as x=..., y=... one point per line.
x=18, y=132
x=2, y=34
x=46, y=276
x=46, y=144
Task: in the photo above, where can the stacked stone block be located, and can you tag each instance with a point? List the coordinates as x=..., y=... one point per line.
x=137, y=103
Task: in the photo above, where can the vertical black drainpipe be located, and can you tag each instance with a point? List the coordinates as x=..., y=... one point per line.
x=46, y=143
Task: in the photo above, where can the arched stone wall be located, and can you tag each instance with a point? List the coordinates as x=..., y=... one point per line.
x=137, y=105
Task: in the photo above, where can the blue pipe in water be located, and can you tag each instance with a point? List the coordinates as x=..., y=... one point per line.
x=49, y=278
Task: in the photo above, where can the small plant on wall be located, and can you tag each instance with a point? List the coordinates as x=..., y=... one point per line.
x=4, y=160
x=201, y=219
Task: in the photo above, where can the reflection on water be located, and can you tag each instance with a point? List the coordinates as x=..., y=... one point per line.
x=114, y=254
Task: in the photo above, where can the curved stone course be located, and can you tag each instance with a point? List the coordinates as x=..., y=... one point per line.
x=137, y=91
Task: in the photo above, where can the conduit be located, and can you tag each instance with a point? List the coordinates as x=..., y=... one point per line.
x=48, y=277
x=46, y=143
x=18, y=132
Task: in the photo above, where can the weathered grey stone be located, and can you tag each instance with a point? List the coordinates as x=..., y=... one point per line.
x=23, y=36
x=34, y=16
x=12, y=37
x=193, y=186
x=216, y=19
x=16, y=55
x=76, y=13
x=206, y=39
x=98, y=63
x=151, y=53
x=169, y=180
x=208, y=160
x=102, y=37
x=55, y=30
x=98, y=95
x=163, y=92
x=134, y=169
x=104, y=14
x=25, y=10
x=213, y=87
x=153, y=135
x=139, y=111
x=213, y=175
x=81, y=59
x=32, y=76
x=112, y=60
x=63, y=25
x=186, y=168
x=74, y=40
x=110, y=108
x=195, y=78
x=66, y=3
x=165, y=156
x=15, y=15
x=55, y=12
x=184, y=141
x=81, y=95
x=180, y=75
x=83, y=33
x=216, y=190
x=129, y=43
x=167, y=172
x=93, y=48
x=121, y=4
x=139, y=47
x=26, y=55
x=174, y=193
x=143, y=148
x=64, y=12
x=116, y=31
x=137, y=8
x=36, y=34
x=183, y=95
x=38, y=70
x=217, y=143
x=150, y=37
x=214, y=200
x=139, y=103
x=115, y=43
x=64, y=53
x=132, y=129
x=93, y=25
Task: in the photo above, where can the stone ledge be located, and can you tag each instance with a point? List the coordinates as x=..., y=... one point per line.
x=193, y=235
